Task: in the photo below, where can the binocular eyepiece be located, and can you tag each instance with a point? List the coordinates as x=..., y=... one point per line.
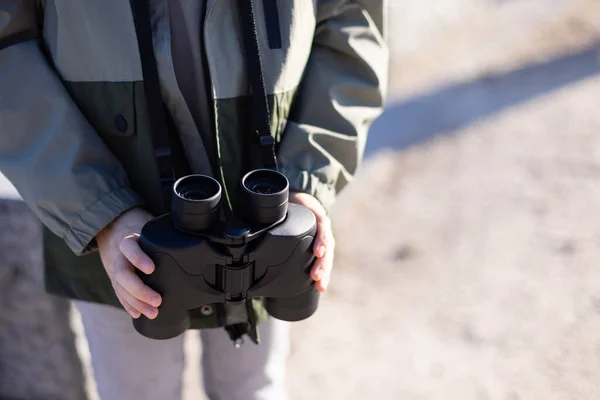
x=197, y=198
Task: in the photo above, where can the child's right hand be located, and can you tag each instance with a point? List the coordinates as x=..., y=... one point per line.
x=121, y=253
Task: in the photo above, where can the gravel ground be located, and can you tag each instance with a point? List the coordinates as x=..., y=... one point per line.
x=38, y=359
x=467, y=266
x=467, y=243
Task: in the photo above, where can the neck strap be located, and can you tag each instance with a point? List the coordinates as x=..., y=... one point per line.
x=166, y=146
x=161, y=139
x=260, y=107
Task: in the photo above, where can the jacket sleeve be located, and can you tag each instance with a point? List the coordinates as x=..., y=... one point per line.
x=342, y=92
x=50, y=153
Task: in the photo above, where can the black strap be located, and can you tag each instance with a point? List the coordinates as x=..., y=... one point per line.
x=166, y=146
x=163, y=150
x=260, y=106
x=271, y=11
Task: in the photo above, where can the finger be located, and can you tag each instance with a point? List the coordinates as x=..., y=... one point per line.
x=321, y=271
x=323, y=283
x=321, y=287
x=136, y=256
x=128, y=307
x=149, y=311
x=324, y=240
x=324, y=248
x=126, y=277
x=316, y=273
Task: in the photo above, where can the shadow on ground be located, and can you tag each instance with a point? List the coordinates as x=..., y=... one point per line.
x=448, y=109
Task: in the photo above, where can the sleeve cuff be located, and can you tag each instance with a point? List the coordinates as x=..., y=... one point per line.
x=80, y=236
x=304, y=181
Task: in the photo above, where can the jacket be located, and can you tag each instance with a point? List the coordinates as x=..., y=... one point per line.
x=74, y=128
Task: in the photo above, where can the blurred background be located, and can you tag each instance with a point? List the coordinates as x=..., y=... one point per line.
x=468, y=247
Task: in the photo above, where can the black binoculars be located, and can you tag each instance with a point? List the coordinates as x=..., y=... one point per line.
x=200, y=258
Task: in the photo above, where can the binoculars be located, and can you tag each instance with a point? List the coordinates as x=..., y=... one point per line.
x=200, y=258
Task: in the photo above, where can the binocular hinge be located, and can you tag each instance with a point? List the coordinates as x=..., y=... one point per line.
x=236, y=280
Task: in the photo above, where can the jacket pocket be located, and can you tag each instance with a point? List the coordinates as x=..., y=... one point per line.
x=108, y=106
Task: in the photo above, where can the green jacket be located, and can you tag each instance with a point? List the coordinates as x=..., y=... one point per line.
x=74, y=130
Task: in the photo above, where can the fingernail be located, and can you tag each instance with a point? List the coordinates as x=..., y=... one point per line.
x=319, y=274
x=321, y=251
x=156, y=300
x=150, y=313
x=147, y=266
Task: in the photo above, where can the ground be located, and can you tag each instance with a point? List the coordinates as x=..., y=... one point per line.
x=468, y=243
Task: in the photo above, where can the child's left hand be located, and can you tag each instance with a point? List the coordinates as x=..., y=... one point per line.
x=324, y=243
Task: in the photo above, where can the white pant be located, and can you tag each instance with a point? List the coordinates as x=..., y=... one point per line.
x=129, y=366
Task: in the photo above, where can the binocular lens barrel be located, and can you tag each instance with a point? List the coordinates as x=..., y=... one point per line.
x=266, y=196
x=195, y=204
x=196, y=199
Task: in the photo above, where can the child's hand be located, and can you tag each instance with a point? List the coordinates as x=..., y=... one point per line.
x=324, y=243
x=120, y=253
